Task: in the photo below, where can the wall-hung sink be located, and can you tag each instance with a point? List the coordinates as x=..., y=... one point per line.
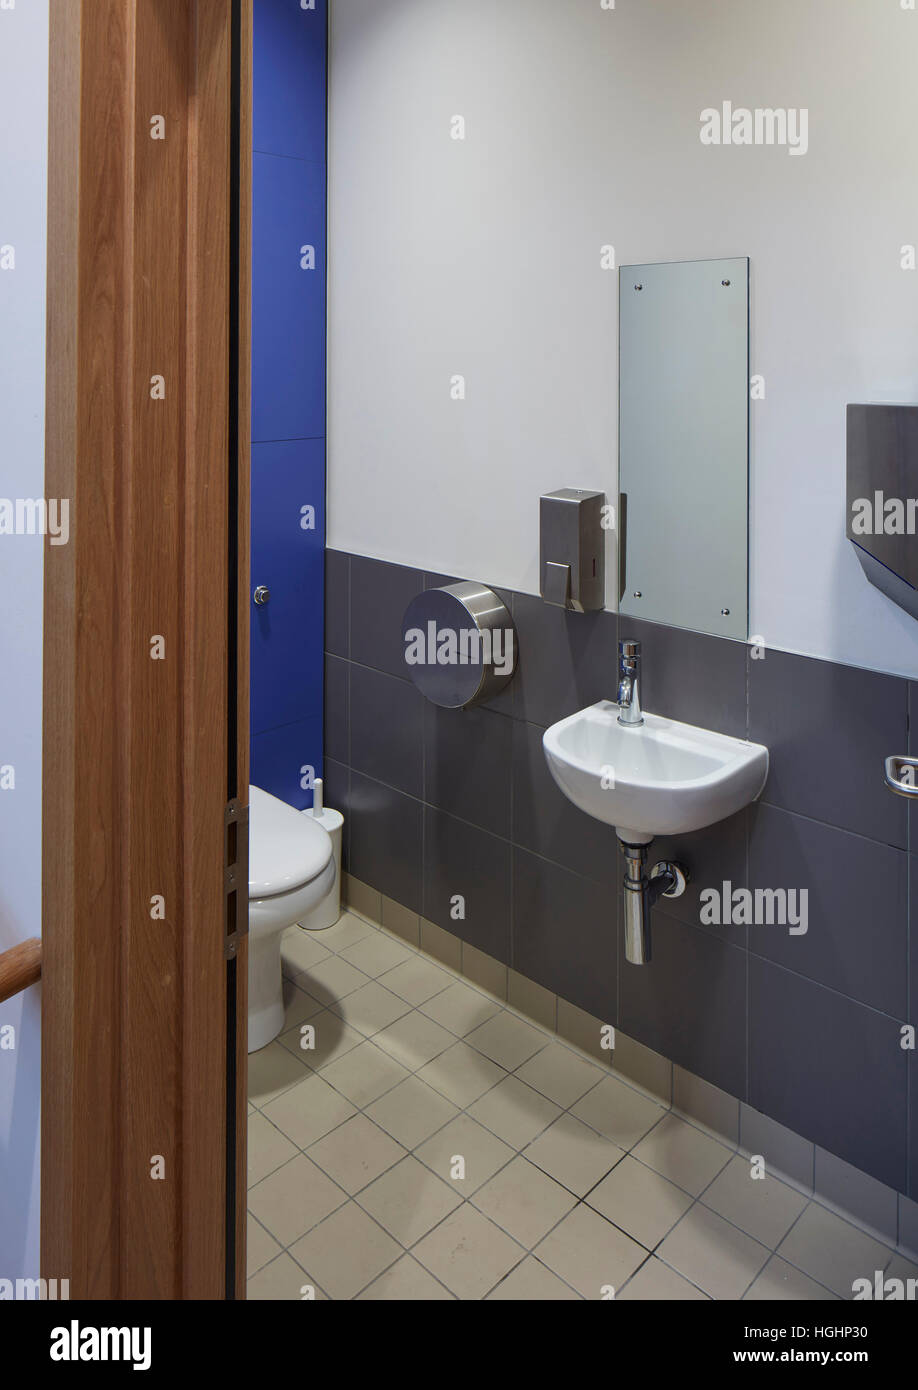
x=658, y=777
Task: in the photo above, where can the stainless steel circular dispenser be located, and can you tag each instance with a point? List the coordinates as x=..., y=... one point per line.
x=459, y=644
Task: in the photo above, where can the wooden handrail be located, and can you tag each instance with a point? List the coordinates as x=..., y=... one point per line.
x=20, y=967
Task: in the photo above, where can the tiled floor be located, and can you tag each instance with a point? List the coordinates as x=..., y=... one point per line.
x=431, y=1143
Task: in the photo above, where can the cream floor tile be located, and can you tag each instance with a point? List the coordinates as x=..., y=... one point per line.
x=321, y=1039
x=268, y=1148
x=461, y=1074
x=409, y=1200
x=301, y=951
x=347, y=931
x=524, y=1201
x=355, y=1153
x=590, y=1254
x=618, y=1112
x=560, y=1074
x=460, y=1008
x=507, y=1039
x=779, y=1280
x=364, y=1074
x=331, y=979
x=832, y=1251
x=411, y=1112
x=376, y=954
x=655, y=1280
x=273, y=1070
x=765, y=1208
x=514, y=1112
x=640, y=1201
x=414, y=1040
x=480, y=1151
x=683, y=1154
x=468, y=1253
x=293, y=1199
x=260, y=1246
x=416, y=980
x=717, y=1257
x=573, y=1154
x=298, y=1006
x=281, y=1280
x=406, y=1282
x=531, y=1282
x=371, y=1008
x=346, y=1252
x=309, y=1110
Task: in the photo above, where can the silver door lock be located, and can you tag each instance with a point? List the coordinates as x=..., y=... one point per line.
x=261, y=595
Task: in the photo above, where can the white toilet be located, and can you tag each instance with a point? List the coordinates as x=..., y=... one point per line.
x=291, y=869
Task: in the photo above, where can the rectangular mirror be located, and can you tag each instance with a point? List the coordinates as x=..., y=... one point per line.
x=684, y=444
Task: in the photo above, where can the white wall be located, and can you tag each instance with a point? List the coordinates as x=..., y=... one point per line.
x=483, y=258
x=23, y=151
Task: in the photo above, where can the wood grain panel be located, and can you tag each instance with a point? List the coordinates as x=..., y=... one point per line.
x=134, y=1022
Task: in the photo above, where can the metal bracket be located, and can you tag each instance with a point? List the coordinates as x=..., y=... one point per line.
x=235, y=875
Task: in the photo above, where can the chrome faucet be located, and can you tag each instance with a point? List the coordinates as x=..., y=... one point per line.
x=629, y=697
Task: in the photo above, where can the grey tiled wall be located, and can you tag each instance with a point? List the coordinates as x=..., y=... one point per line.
x=806, y=1029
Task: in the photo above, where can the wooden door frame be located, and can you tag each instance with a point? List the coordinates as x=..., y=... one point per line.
x=143, y=1015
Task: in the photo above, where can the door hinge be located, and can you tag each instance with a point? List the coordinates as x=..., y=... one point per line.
x=236, y=875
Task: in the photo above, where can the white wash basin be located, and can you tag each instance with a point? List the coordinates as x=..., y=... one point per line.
x=657, y=778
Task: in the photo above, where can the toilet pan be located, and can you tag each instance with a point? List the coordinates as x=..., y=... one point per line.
x=291, y=869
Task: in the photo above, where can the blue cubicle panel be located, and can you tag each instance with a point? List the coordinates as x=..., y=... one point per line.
x=288, y=393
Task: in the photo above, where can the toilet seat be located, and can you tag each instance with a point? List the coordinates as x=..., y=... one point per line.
x=287, y=850
x=291, y=870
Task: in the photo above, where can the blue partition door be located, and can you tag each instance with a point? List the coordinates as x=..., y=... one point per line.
x=288, y=394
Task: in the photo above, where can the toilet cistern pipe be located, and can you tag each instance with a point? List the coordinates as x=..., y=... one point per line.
x=667, y=880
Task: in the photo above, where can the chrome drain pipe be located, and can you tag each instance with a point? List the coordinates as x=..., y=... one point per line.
x=667, y=880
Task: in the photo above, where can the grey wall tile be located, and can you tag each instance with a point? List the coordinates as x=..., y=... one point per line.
x=380, y=593
x=852, y=1192
x=566, y=660
x=829, y=730
x=912, y=1014
x=461, y=860
x=690, y=676
x=856, y=939
x=908, y=1224
x=545, y=822
x=784, y=1151
x=707, y=1105
x=828, y=1068
x=337, y=601
x=337, y=731
x=386, y=729
x=713, y=856
x=337, y=791
x=385, y=840
x=689, y=1003
x=912, y=1188
x=467, y=760
x=565, y=933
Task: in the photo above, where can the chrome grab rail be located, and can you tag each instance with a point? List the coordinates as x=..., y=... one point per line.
x=902, y=775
